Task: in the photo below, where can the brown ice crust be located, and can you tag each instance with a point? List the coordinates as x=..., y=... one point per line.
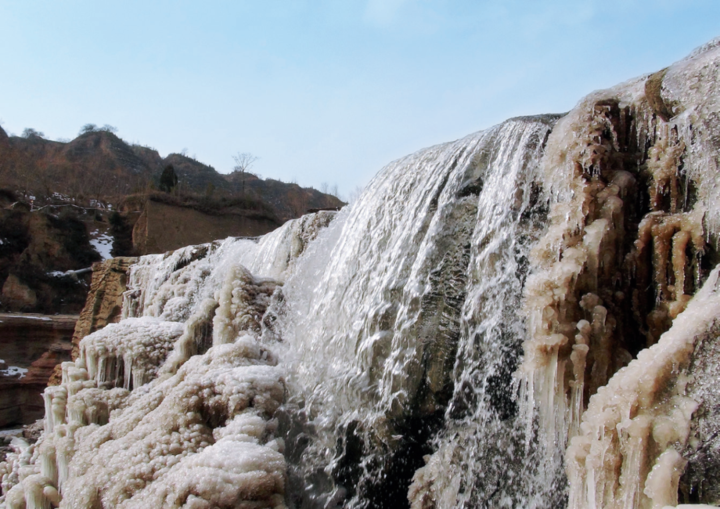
x=627, y=453
x=604, y=248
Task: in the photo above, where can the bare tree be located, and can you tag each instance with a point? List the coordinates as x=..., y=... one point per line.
x=244, y=161
x=355, y=194
x=29, y=132
x=88, y=128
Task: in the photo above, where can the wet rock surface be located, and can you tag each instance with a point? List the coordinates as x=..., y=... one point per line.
x=700, y=482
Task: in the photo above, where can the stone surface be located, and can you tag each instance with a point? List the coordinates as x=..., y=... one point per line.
x=38, y=250
x=104, y=302
x=701, y=479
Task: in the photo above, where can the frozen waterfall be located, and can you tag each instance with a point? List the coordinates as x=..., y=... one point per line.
x=523, y=318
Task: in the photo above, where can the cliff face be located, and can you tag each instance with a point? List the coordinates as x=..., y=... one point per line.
x=105, y=299
x=31, y=346
x=36, y=250
x=103, y=305
x=164, y=227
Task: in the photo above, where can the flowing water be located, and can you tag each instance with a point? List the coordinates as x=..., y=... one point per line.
x=433, y=345
x=401, y=329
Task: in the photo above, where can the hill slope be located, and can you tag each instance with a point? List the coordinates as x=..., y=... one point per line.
x=98, y=164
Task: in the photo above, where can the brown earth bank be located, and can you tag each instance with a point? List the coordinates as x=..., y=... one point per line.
x=31, y=345
x=163, y=227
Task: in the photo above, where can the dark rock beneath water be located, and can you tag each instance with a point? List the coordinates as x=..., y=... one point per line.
x=701, y=481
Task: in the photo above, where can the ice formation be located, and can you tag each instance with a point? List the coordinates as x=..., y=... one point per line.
x=141, y=420
x=588, y=302
x=526, y=317
x=639, y=423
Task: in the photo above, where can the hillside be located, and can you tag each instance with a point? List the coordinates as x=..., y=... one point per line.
x=64, y=206
x=100, y=165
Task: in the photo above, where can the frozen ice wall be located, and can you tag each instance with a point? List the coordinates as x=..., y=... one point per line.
x=633, y=177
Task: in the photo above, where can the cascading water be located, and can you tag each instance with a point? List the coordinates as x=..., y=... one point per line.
x=434, y=345
x=410, y=328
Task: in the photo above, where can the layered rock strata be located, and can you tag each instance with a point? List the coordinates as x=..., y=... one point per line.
x=31, y=345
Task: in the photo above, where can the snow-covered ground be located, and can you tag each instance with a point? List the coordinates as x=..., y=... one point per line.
x=102, y=242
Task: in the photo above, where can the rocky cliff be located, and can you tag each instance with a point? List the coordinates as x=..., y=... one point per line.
x=103, y=305
x=40, y=253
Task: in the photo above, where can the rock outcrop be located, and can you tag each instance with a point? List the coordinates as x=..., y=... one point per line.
x=103, y=305
x=164, y=227
x=31, y=345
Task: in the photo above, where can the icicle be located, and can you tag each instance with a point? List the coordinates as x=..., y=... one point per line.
x=48, y=463
x=662, y=482
x=33, y=487
x=138, y=376
x=102, y=357
x=128, y=362
x=577, y=357
x=76, y=412
x=59, y=401
x=48, y=424
x=91, y=361
x=52, y=495
x=64, y=451
x=633, y=474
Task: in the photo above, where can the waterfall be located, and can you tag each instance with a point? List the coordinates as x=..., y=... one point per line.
x=524, y=318
x=402, y=328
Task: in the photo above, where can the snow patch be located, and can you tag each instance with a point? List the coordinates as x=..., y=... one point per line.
x=102, y=242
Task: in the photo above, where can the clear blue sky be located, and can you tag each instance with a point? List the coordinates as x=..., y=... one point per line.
x=322, y=91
